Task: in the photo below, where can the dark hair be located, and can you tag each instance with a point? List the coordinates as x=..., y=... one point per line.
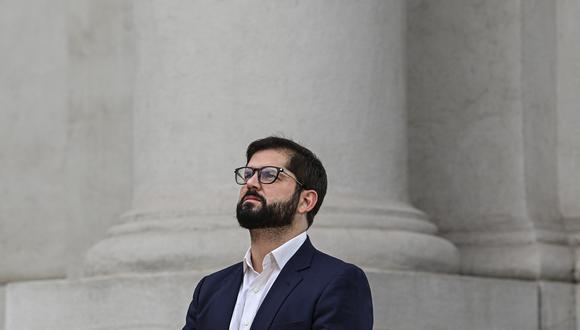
x=303, y=163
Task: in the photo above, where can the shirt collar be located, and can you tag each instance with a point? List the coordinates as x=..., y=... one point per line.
x=279, y=256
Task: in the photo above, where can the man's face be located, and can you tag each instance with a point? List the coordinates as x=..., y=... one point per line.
x=268, y=205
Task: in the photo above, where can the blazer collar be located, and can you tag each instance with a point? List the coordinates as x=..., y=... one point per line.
x=287, y=280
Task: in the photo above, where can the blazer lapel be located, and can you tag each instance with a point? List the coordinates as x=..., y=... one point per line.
x=287, y=280
x=224, y=301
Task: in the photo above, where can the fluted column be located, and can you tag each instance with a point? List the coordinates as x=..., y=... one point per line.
x=484, y=133
x=213, y=76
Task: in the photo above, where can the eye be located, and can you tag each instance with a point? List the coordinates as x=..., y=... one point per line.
x=247, y=173
x=268, y=174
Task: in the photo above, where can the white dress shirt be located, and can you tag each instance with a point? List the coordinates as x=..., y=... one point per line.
x=255, y=286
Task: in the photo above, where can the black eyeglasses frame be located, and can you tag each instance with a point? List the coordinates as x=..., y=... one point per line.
x=259, y=171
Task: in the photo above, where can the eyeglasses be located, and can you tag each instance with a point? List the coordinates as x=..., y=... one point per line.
x=266, y=174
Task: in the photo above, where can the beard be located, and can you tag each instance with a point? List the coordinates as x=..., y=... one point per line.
x=275, y=215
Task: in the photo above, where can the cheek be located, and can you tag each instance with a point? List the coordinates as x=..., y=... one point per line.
x=243, y=190
x=277, y=196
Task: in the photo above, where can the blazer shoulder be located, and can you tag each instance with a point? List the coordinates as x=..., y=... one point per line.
x=226, y=279
x=222, y=274
x=309, y=255
x=332, y=265
x=344, y=300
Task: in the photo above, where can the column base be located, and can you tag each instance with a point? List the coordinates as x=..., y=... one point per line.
x=391, y=237
x=575, y=243
x=2, y=306
x=388, y=249
x=387, y=237
x=164, y=244
x=525, y=254
x=402, y=301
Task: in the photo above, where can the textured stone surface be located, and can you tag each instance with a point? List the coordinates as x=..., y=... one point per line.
x=134, y=302
x=569, y=118
x=33, y=129
x=201, y=95
x=403, y=301
x=483, y=133
x=65, y=138
x=2, y=306
x=419, y=301
x=464, y=98
x=99, y=155
x=557, y=306
x=569, y=108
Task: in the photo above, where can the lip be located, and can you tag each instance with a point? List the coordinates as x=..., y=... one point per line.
x=251, y=198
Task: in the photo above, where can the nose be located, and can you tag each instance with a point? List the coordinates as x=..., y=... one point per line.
x=253, y=181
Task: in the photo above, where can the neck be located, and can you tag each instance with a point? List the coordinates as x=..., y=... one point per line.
x=266, y=240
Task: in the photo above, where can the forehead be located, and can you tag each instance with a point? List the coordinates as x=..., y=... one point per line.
x=267, y=157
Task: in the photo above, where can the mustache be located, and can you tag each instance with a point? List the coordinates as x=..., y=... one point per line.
x=255, y=194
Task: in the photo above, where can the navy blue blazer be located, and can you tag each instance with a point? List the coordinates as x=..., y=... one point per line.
x=313, y=291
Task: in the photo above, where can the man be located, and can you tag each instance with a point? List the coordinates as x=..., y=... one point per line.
x=283, y=282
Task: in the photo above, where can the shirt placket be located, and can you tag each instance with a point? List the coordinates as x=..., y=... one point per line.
x=253, y=295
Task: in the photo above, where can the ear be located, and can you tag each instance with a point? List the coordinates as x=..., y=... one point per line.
x=308, y=199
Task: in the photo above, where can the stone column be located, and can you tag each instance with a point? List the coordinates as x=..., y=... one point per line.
x=568, y=100
x=213, y=76
x=33, y=140
x=483, y=110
